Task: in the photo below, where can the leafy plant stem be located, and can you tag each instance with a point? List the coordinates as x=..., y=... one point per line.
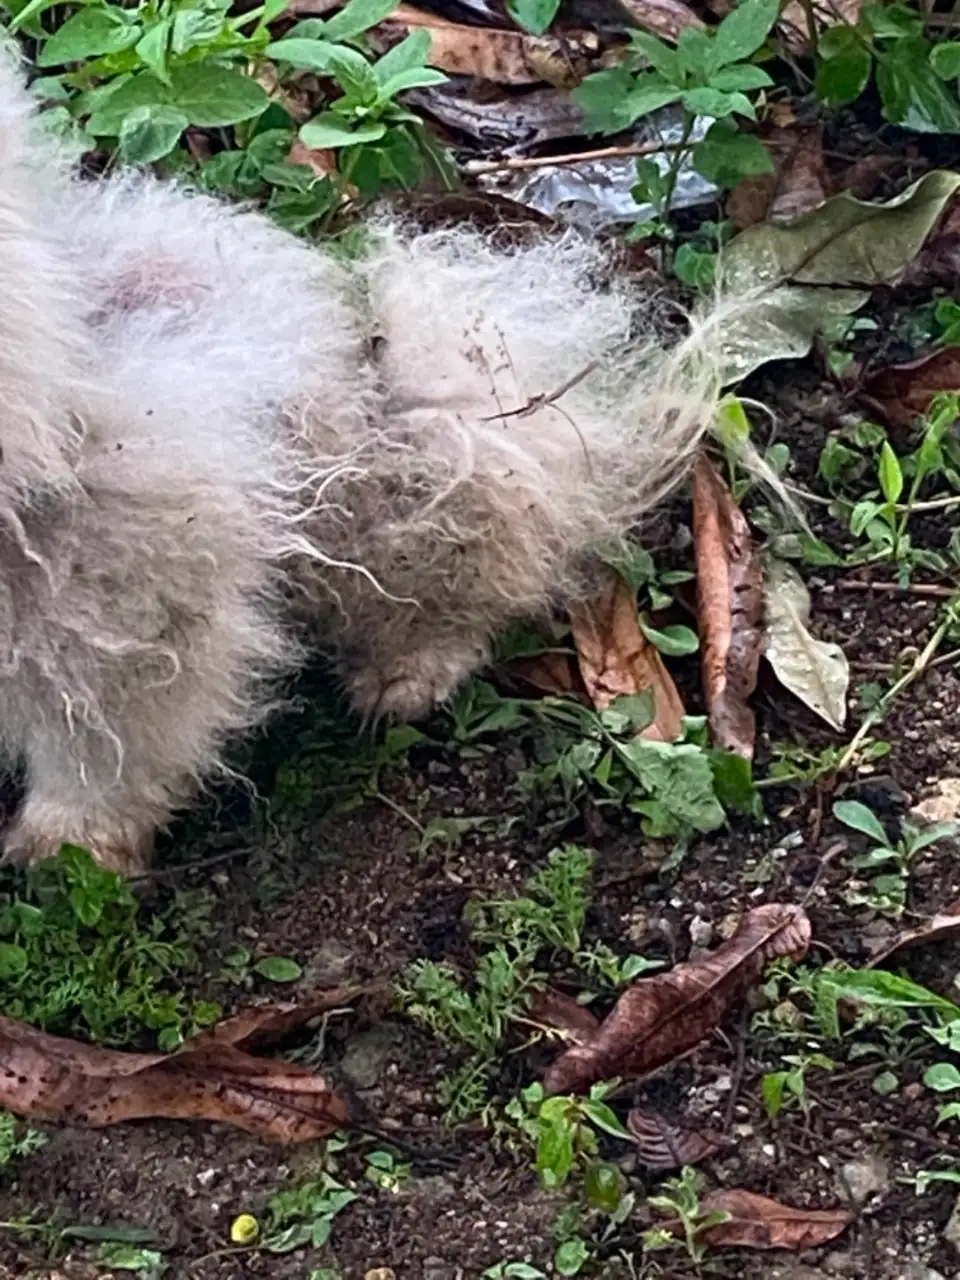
x=920, y=665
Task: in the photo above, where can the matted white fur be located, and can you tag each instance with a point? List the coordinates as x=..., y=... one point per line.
x=219, y=443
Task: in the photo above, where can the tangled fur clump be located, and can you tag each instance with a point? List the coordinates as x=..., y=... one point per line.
x=220, y=445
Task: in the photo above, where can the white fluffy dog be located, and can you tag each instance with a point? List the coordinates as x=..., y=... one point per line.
x=219, y=444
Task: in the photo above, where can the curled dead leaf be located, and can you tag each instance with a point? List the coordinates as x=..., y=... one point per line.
x=757, y=1222
x=799, y=184
x=616, y=658
x=902, y=393
x=661, y=1018
x=663, y=1145
x=815, y=671
x=211, y=1078
x=498, y=55
x=796, y=15
x=560, y=1012
x=730, y=607
x=945, y=924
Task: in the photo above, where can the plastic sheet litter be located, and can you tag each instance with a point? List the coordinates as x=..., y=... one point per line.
x=597, y=193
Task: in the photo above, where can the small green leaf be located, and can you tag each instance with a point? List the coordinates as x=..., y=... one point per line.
x=357, y=17
x=740, y=79
x=602, y=99
x=885, y=1084
x=945, y=59
x=331, y=130
x=942, y=1076
x=891, y=474
x=698, y=269
x=913, y=94
x=535, y=16
x=858, y=817
x=649, y=93
x=675, y=641
x=149, y=133
x=711, y=102
x=743, y=31
x=305, y=54
x=91, y=33
x=13, y=960
x=843, y=77
x=278, y=969
x=603, y=1186
x=658, y=53
x=152, y=48
x=604, y=1118
x=410, y=54
x=726, y=155
x=571, y=1257
x=773, y=1086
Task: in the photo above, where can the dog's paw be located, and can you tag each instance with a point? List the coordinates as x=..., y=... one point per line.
x=409, y=687
x=126, y=853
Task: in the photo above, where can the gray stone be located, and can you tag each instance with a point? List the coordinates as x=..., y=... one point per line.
x=865, y=1177
x=367, y=1055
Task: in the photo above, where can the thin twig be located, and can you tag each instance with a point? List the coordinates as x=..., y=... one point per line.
x=929, y=589
x=541, y=401
x=161, y=873
x=920, y=665
x=574, y=157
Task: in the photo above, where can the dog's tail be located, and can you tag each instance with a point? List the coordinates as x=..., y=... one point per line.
x=41, y=331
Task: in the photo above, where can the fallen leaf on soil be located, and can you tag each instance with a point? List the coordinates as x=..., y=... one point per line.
x=210, y=1078
x=509, y=120
x=322, y=162
x=938, y=263
x=662, y=1145
x=820, y=265
x=616, y=657
x=504, y=57
x=560, y=1012
x=813, y=670
x=554, y=674
x=801, y=181
x=659, y=1019
x=757, y=1222
x=902, y=392
x=943, y=925
x=665, y=18
x=729, y=607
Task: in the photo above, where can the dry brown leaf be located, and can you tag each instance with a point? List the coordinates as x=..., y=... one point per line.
x=945, y=924
x=794, y=24
x=757, y=1222
x=665, y=18
x=662, y=1145
x=661, y=1018
x=553, y=674
x=730, y=608
x=616, y=658
x=800, y=183
x=560, y=1012
x=323, y=163
x=210, y=1078
x=902, y=392
x=501, y=56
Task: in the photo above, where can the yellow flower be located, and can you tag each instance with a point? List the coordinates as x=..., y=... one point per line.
x=245, y=1229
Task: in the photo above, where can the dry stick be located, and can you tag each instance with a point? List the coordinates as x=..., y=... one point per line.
x=575, y=157
x=930, y=589
x=920, y=664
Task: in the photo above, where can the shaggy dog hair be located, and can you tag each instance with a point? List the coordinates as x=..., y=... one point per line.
x=219, y=446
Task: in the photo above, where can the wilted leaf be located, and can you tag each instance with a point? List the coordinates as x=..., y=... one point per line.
x=800, y=183
x=945, y=924
x=561, y=1012
x=813, y=670
x=730, y=609
x=659, y=1019
x=616, y=658
x=550, y=673
x=210, y=1078
x=665, y=18
x=757, y=1222
x=902, y=392
x=822, y=264
x=505, y=57
x=662, y=1145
